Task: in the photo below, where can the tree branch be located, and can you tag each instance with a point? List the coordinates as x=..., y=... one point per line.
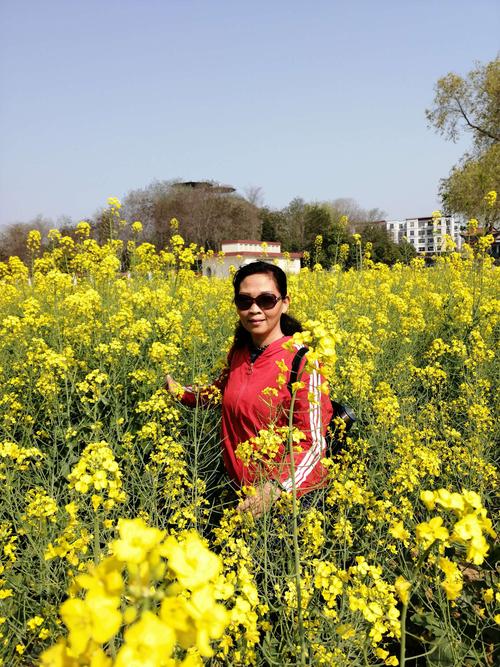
x=472, y=126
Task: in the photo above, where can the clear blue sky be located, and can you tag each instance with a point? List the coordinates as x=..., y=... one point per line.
x=314, y=99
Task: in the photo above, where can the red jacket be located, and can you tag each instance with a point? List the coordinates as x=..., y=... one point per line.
x=246, y=410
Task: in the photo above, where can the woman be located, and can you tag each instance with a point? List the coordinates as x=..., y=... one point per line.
x=253, y=398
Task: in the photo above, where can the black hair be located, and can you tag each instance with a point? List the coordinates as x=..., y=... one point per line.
x=289, y=325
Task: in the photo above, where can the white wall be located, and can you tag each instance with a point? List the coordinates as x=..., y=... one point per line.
x=219, y=266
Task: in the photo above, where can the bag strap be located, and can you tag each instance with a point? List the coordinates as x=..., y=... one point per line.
x=300, y=354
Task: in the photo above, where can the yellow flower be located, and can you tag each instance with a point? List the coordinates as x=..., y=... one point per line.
x=34, y=240
x=467, y=528
x=391, y=661
x=428, y=498
x=452, y=583
x=175, y=614
x=210, y=618
x=114, y=202
x=488, y=595
x=34, y=622
x=491, y=198
x=148, y=643
x=477, y=549
x=428, y=532
x=484, y=242
x=104, y=579
x=398, y=531
x=191, y=561
x=83, y=229
x=136, y=542
x=345, y=631
x=55, y=656
x=402, y=587
x=94, y=618
x=472, y=499
x=450, y=501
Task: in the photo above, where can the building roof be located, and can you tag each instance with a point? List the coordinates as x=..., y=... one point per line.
x=429, y=217
x=206, y=185
x=250, y=241
x=261, y=254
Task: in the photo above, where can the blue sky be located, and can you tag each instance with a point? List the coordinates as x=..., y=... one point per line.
x=313, y=99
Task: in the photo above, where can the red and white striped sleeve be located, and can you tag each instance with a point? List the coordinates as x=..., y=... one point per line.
x=312, y=413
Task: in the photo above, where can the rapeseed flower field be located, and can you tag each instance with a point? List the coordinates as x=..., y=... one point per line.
x=117, y=543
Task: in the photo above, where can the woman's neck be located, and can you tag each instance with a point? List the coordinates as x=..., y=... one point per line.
x=264, y=341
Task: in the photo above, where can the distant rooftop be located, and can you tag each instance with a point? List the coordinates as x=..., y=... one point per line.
x=206, y=185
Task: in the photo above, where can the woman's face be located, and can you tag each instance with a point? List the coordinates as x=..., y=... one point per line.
x=263, y=325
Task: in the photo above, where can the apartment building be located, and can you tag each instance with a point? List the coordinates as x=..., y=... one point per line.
x=427, y=235
x=396, y=229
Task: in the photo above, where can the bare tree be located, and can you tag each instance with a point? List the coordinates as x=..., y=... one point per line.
x=207, y=213
x=13, y=237
x=254, y=195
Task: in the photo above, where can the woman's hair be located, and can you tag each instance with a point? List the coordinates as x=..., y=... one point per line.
x=289, y=325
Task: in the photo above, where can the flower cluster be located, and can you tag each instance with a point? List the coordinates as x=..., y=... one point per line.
x=163, y=592
x=469, y=529
x=268, y=446
x=98, y=471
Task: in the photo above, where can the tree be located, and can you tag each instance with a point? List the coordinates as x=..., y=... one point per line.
x=471, y=104
x=207, y=213
x=13, y=237
x=254, y=195
x=465, y=188
x=274, y=225
x=295, y=220
x=336, y=237
x=345, y=207
x=383, y=247
x=407, y=250
x=317, y=221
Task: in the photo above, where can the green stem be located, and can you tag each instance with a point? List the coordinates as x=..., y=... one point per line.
x=402, y=651
x=404, y=612
x=97, y=540
x=296, y=551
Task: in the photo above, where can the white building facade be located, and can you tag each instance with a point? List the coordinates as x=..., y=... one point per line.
x=427, y=235
x=395, y=229
x=237, y=253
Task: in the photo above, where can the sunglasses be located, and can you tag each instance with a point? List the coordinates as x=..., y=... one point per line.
x=264, y=301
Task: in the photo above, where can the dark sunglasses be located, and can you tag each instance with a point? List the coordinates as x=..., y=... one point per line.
x=264, y=301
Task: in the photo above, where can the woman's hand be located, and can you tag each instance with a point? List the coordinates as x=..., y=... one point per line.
x=172, y=386
x=265, y=496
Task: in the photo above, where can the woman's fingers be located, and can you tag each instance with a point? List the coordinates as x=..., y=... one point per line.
x=172, y=385
x=260, y=502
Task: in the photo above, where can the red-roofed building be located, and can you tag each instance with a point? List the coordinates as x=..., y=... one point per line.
x=237, y=253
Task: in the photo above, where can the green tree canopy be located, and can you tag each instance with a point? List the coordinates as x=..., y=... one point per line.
x=465, y=188
x=471, y=104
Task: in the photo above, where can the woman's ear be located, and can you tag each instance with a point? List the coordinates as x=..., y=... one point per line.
x=286, y=304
